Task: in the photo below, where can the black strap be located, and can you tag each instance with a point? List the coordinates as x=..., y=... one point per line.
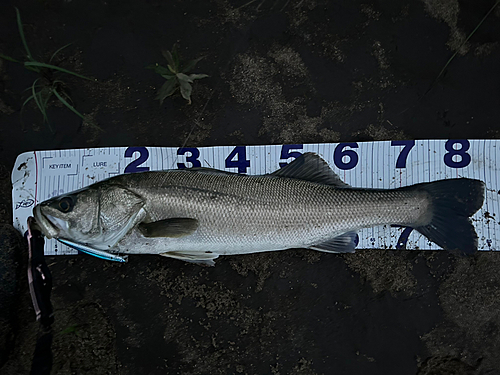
x=40, y=285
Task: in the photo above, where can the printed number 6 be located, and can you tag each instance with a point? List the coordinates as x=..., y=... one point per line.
x=339, y=154
x=134, y=166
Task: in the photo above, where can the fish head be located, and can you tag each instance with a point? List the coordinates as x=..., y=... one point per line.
x=98, y=216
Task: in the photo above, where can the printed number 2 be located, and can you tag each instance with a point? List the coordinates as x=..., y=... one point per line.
x=403, y=155
x=193, y=158
x=462, y=152
x=133, y=167
x=285, y=153
x=241, y=162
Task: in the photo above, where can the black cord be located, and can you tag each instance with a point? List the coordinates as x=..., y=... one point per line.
x=40, y=285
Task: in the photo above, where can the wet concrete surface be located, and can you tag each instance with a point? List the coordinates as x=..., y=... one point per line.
x=280, y=72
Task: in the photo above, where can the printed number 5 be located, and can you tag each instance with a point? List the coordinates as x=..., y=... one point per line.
x=285, y=153
x=134, y=166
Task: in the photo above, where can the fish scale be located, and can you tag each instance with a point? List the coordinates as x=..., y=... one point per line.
x=239, y=214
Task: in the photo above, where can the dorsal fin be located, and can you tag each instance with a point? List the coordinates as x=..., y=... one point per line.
x=311, y=167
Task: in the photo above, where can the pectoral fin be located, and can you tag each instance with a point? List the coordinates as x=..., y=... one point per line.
x=201, y=258
x=345, y=243
x=174, y=227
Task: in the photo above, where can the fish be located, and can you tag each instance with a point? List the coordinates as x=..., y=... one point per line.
x=199, y=214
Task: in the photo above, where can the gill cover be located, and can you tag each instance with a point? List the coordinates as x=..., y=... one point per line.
x=118, y=211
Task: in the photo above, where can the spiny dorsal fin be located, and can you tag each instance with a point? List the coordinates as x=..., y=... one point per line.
x=311, y=167
x=174, y=227
x=345, y=243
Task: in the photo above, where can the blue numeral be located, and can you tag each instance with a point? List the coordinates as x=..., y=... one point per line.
x=403, y=155
x=339, y=153
x=241, y=162
x=285, y=153
x=193, y=158
x=462, y=152
x=134, y=166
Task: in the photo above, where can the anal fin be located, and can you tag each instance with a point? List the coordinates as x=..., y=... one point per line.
x=345, y=243
x=202, y=258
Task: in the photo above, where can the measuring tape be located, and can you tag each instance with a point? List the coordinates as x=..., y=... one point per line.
x=40, y=175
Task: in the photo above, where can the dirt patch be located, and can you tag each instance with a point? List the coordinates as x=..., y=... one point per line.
x=231, y=329
x=469, y=338
x=263, y=80
x=384, y=270
x=84, y=340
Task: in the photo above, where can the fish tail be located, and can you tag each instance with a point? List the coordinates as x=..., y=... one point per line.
x=453, y=202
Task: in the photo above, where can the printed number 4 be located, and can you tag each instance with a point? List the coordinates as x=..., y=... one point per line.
x=238, y=159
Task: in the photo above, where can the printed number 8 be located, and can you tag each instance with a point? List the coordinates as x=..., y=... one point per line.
x=462, y=152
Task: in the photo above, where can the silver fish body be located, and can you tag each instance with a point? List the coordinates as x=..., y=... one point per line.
x=199, y=214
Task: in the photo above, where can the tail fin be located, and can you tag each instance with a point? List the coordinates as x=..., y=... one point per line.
x=454, y=201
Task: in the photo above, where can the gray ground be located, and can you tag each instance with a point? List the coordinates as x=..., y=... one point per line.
x=293, y=71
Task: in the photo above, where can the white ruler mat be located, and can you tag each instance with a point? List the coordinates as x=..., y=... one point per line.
x=40, y=175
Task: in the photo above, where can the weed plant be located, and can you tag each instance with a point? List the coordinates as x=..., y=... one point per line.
x=176, y=76
x=47, y=85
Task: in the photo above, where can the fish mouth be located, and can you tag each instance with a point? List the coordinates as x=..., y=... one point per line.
x=47, y=227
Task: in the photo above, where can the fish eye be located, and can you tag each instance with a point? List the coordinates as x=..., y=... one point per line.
x=65, y=204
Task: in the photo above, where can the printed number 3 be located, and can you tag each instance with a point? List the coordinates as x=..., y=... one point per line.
x=193, y=158
x=133, y=167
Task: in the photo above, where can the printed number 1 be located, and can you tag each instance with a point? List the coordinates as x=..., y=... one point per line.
x=403, y=155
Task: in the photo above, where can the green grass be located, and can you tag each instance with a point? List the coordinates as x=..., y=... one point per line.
x=176, y=75
x=71, y=329
x=47, y=85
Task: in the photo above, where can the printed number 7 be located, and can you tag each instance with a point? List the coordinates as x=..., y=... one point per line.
x=403, y=155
